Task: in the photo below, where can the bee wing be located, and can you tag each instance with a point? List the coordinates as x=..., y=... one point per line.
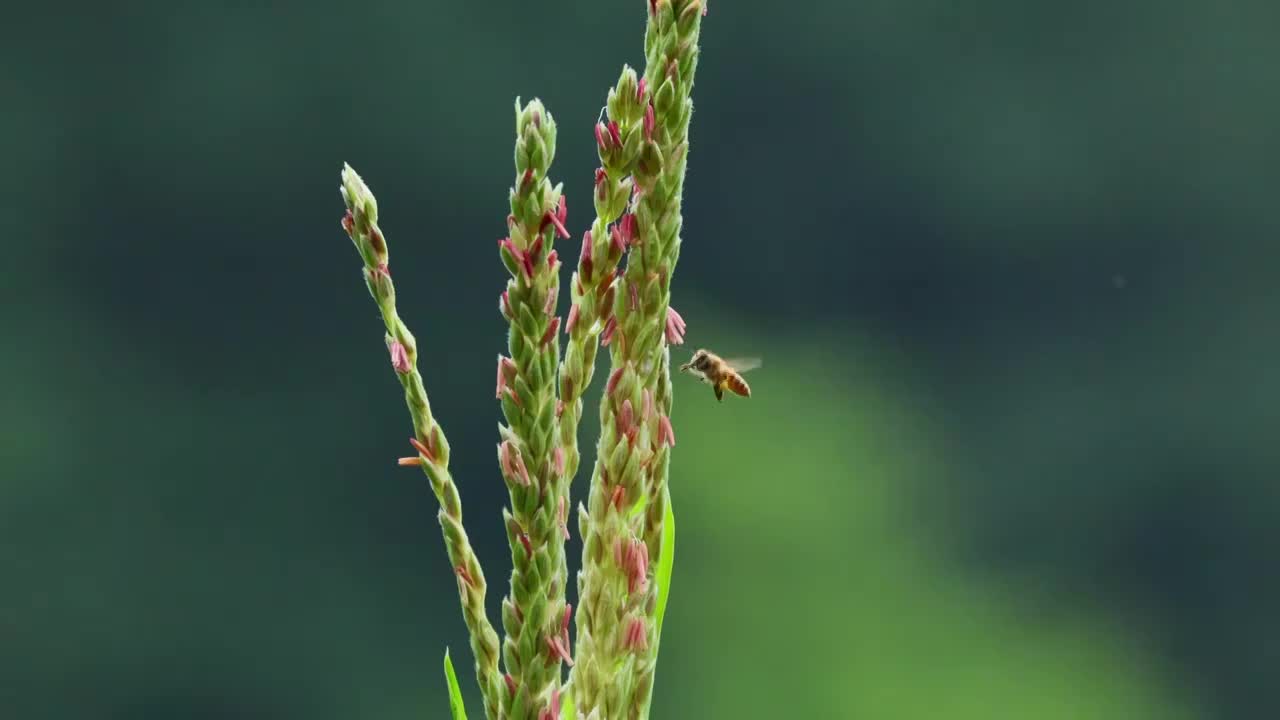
x=741, y=365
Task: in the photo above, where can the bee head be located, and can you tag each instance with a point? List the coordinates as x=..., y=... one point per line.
x=697, y=362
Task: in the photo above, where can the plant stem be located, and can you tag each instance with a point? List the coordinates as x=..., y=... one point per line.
x=361, y=224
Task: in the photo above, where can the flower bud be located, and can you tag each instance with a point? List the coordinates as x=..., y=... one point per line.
x=614, y=378
x=636, y=638
x=558, y=217
x=602, y=139
x=601, y=187
x=552, y=329
x=636, y=566
x=562, y=515
x=399, y=357
x=665, y=432
x=584, y=259
x=424, y=450
x=549, y=305
x=625, y=417
x=675, y=327
x=552, y=711
x=559, y=651
x=618, y=244
x=629, y=230
x=504, y=459
x=606, y=335
x=534, y=251
x=605, y=298
x=572, y=323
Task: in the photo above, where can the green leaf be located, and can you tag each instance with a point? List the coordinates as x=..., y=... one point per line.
x=668, y=558
x=455, y=692
x=566, y=705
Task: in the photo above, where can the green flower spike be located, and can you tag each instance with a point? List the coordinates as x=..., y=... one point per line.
x=529, y=454
x=361, y=224
x=620, y=297
x=617, y=634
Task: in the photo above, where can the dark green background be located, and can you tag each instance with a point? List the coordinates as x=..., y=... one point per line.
x=1012, y=267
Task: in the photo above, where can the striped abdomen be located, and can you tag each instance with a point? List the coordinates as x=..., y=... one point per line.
x=733, y=381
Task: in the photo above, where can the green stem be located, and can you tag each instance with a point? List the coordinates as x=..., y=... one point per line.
x=361, y=225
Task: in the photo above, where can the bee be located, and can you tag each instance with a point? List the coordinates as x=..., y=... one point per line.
x=720, y=373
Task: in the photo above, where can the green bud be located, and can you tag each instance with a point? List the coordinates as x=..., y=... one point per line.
x=593, y=546
x=688, y=62
x=535, y=615
x=510, y=621
x=631, y=143
x=583, y=525
x=663, y=19
x=648, y=164
x=548, y=360
x=644, y=339
x=509, y=407
x=520, y=703
x=529, y=324
x=530, y=118
x=614, y=105
x=536, y=374
x=518, y=344
x=528, y=498
x=665, y=99
x=546, y=416
x=613, y=695
x=508, y=435
x=572, y=364
x=549, y=137
x=509, y=261
x=621, y=195
x=618, y=457
x=525, y=392
x=690, y=15
x=542, y=562
x=538, y=159
x=522, y=156
x=623, y=105
x=631, y=471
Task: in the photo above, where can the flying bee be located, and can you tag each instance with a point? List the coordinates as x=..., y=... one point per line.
x=720, y=373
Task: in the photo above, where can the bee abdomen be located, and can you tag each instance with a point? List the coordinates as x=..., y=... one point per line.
x=738, y=385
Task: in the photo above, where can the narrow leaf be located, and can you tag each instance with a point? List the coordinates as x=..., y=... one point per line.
x=566, y=705
x=455, y=692
x=668, y=558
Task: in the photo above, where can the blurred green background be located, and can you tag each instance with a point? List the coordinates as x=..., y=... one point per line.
x=1012, y=268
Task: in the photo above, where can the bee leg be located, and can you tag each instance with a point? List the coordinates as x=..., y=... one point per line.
x=719, y=393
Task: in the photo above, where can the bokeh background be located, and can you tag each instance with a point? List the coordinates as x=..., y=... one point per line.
x=1012, y=268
